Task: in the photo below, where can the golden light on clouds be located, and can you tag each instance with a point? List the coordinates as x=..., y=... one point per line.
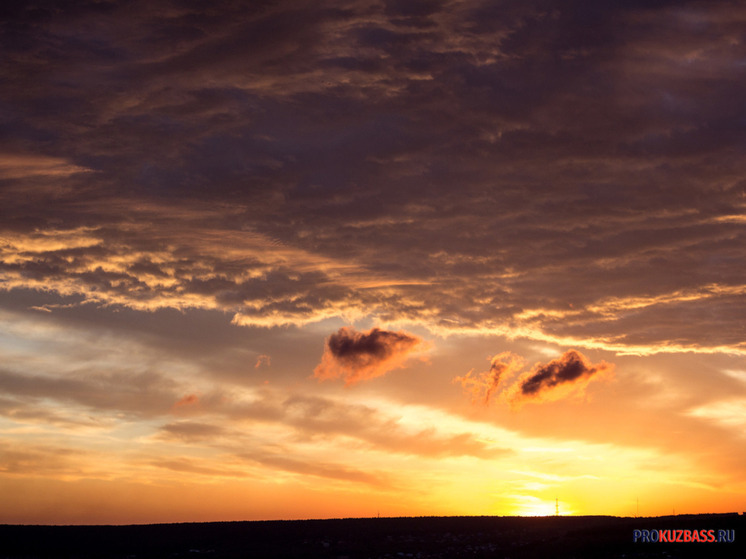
x=21, y=165
x=292, y=261
x=357, y=356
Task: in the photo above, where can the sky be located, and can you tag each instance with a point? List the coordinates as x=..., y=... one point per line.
x=319, y=259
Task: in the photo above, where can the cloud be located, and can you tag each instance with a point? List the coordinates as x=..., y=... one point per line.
x=315, y=416
x=270, y=148
x=729, y=413
x=188, y=402
x=16, y=166
x=190, y=467
x=263, y=361
x=320, y=469
x=189, y=431
x=484, y=385
x=357, y=356
x=36, y=460
x=140, y=394
x=569, y=374
x=560, y=378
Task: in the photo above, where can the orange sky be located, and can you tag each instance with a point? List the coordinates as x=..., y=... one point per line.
x=359, y=258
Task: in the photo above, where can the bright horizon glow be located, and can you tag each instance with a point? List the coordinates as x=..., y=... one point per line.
x=419, y=460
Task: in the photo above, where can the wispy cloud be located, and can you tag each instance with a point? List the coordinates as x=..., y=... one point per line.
x=20, y=166
x=191, y=431
x=263, y=361
x=484, y=385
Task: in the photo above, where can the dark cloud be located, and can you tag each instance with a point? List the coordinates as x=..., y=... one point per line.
x=323, y=146
x=562, y=377
x=359, y=348
x=357, y=356
x=572, y=370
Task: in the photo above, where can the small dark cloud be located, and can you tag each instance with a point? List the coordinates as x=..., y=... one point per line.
x=571, y=371
x=357, y=356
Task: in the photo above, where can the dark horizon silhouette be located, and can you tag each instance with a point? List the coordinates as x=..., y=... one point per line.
x=423, y=537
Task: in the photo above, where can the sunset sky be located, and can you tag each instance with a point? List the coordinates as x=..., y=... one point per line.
x=311, y=259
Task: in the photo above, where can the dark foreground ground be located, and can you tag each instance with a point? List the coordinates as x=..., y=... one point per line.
x=394, y=538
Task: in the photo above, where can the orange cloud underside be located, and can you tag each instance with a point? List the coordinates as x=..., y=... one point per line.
x=356, y=356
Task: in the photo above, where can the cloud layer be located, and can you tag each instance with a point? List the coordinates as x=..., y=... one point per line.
x=459, y=166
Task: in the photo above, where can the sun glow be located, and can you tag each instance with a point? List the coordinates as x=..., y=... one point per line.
x=529, y=505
